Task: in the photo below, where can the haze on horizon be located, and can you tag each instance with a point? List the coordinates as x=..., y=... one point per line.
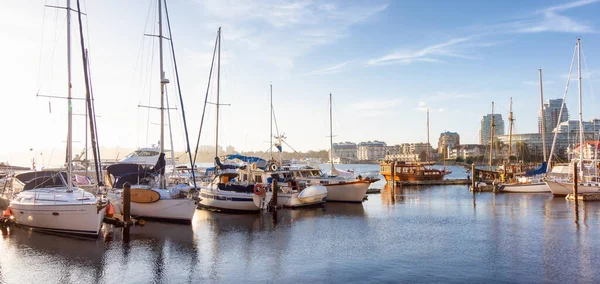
x=385, y=62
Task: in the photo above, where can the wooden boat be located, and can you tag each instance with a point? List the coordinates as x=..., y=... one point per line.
x=411, y=172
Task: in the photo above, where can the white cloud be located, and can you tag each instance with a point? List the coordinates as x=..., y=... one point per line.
x=552, y=21
x=421, y=104
x=330, y=70
x=455, y=47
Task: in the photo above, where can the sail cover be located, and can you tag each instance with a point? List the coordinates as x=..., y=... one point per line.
x=538, y=171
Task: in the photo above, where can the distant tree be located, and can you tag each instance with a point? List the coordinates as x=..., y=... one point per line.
x=523, y=152
x=423, y=156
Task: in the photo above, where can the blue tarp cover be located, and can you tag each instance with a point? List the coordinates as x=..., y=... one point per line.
x=538, y=171
x=246, y=159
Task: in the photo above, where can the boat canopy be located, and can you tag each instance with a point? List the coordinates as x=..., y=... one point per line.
x=40, y=179
x=538, y=171
x=131, y=173
x=260, y=163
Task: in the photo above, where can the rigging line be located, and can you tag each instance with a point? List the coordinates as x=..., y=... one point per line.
x=206, y=98
x=590, y=84
x=561, y=108
x=41, y=44
x=54, y=44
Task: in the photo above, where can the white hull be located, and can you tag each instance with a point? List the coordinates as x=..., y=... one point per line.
x=564, y=188
x=312, y=195
x=347, y=192
x=539, y=187
x=69, y=218
x=228, y=200
x=168, y=209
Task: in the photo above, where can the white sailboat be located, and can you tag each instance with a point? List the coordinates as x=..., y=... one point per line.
x=155, y=200
x=339, y=188
x=48, y=200
x=561, y=185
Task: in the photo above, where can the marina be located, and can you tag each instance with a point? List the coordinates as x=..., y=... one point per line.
x=427, y=234
x=247, y=142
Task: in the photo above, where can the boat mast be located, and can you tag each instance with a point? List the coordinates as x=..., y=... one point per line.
x=581, y=141
x=510, y=130
x=333, y=170
x=543, y=117
x=492, y=138
x=218, y=90
x=445, y=150
x=427, y=146
x=69, y=103
x=271, y=124
x=163, y=81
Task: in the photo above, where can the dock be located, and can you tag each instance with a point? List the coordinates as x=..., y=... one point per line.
x=591, y=196
x=434, y=182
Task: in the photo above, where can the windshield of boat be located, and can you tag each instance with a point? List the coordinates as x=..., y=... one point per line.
x=143, y=153
x=42, y=180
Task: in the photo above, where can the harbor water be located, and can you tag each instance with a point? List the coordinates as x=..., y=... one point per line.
x=426, y=234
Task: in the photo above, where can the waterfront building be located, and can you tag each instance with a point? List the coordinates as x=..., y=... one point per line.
x=371, y=150
x=590, y=150
x=564, y=141
x=485, y=131
x=448, y=140
x=345, y=152
x=467, y=151
x=551, y=113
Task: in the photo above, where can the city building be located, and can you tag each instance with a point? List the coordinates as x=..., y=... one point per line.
x=345, y=152
x=371, y=150
x=448, y=140
x=551, y=113
x=564, y=141
x=485, y=127
x=467, y=151
x=408, y=152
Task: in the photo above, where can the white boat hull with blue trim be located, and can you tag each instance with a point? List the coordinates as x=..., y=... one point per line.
x=228, y=200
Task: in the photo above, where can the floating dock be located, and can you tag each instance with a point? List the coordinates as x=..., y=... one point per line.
x=592, y=196
x=434, y=182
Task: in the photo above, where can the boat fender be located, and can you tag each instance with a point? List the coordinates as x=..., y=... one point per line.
x=273, y=167
x=110, y=210
x=259, y=189
x=7, y=213
x=254, y=166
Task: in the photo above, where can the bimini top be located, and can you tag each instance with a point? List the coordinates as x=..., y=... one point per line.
x=41, y=179
x=260, y=163
x=131, y=173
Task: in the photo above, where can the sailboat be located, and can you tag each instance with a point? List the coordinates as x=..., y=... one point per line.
x=561, y=184
x=48, y=200
x=529, y=181
x=153, y=199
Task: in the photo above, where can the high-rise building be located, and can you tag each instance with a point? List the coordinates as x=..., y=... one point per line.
x=551, y=112
x=485, y=130
x=448, y=140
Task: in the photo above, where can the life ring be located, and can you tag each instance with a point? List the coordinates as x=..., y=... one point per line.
x=253, y=166
x=273, y=167
x=259, y=189
x=411, y=172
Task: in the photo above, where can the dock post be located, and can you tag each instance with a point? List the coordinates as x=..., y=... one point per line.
x=473, y=177
x=126, y=210
x=273, y=203
x=575, y=192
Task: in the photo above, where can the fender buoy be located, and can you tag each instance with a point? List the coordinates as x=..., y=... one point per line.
x=7, y=213
x=110, y=210
x=253, y=166
x=259, y=189
x=273, y=167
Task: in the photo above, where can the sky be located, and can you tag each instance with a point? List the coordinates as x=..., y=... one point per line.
x=384, y=62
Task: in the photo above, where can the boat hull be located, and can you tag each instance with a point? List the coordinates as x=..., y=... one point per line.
x=563, y=188
x=347, y=191
x=230, y=201
x=165, y=209
x=82, y=219
x=538, y=187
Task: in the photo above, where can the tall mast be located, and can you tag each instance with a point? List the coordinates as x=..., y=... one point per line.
x=444, y=151
x=69, y=109
x=427, y=146
x=543, y=117
x=510, y=130
x=271, y=124
x=581, y=141
x=218, y=90
x=492, y=138
x=163, y=81
x=333, y=170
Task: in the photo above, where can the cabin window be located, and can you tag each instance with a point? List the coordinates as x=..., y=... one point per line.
x=258, y=179
x=245, y=177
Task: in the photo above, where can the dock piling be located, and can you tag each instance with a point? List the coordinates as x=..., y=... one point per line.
x=575, y=181
x=273, y=203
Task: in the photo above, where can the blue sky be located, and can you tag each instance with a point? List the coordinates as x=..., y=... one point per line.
x=384, y=61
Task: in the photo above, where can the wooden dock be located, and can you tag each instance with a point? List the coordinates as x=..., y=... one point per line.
x=591, y=196
x=434, y=182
